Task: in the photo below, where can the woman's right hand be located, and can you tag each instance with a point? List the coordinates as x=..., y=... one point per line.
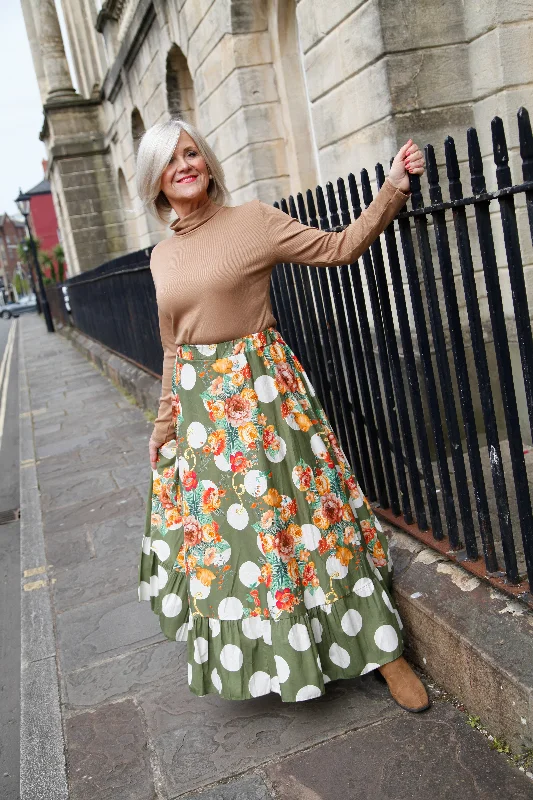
x=153, y=449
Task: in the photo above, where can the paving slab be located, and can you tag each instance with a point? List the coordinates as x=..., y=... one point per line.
x=67, y=548
x=127, y=674
x=105, y=506
x=241, y=735
x=429, y=756
x=105, y=628
x=249, y=787
x=102, y=577
x=107, y=754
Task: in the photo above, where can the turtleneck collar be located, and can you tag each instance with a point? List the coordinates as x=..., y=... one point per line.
x=195, y=219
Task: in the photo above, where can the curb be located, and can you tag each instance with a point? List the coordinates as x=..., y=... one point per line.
x=474, y=641
x=42, y=746
x=143, y=387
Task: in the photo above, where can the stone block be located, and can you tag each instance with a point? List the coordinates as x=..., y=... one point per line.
x=362, y=149
x=345, y=51
x=105, y=628
x=232, y=51
x=317, y=17
x=210, y=30
x=255, y=162
x=413, y=741
x=359, y=102
x=481, y=16
x=247, y=17
x=410, y=25
x=250, y=124
x=267, y=190
x=182, y=727
x=107, y=754
x=504, y=104
x=429, y=78
x=245, y=86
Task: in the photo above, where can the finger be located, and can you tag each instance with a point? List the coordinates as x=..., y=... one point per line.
x=416, y=155
x=403, y=150
x=413, y=149
x=419, y=162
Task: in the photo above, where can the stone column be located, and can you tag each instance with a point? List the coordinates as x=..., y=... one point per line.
x=33, y=38
x=54, y=60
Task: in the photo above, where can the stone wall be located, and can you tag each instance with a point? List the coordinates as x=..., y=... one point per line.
x=288, y=92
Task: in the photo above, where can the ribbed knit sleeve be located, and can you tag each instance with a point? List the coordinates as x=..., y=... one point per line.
x=163, y=426
x=293, y=242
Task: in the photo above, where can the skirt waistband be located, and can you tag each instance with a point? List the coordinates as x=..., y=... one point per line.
x=243, y=344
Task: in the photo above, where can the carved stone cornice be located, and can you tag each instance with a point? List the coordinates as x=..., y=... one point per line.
x=111, y=9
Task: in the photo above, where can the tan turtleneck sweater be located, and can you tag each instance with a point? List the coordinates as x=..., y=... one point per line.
x=212, y=277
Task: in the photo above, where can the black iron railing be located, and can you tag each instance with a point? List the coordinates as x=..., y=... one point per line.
x=377, y=344
x=412, y=351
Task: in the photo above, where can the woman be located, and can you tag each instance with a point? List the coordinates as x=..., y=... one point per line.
x=260, y=549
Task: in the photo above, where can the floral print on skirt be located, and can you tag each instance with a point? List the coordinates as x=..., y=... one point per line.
x=260, y=549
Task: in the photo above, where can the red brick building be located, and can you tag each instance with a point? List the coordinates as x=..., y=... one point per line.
x=43, y=216
x=12, y=231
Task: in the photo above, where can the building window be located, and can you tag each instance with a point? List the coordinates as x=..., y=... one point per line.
x=137, y=129
x=181, y=99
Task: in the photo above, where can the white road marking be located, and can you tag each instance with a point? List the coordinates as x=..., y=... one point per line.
x=4, y=377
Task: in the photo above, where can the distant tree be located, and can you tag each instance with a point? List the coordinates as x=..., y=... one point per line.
x=48, y=264
x=59, y=255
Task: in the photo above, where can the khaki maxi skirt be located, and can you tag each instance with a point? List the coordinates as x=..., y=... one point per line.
x=260, y=550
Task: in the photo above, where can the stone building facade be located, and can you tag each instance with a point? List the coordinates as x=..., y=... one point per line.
x=288, y=92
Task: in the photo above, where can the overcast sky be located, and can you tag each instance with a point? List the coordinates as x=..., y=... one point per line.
x=21, y=115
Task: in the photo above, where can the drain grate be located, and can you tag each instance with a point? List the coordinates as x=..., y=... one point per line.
x=9, y=516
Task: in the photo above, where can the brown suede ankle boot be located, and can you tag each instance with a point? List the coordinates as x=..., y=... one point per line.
x=405, y=687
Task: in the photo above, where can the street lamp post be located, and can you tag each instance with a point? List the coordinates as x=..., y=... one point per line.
x=23, y=205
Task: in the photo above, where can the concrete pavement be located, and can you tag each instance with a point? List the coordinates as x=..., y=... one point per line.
x=128, y=727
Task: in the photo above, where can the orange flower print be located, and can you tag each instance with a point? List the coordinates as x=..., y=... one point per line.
x=272, y=498
x=285, y=600
x=320, y=520
x=303, y=422
x=237, y=378
x=347, y=513
x=266, y=574
x=248, y=433
x=323, y=546
x=181, y=557
x=165, y=496
x=192, y=531
x=349, y=534
x=246, y=372
x=250, y=394
x=238, y=462
x=238, y=410
x=205, y=576
x=267, y=518
x=331, y=538
x=217, y=386
x=222, y=365
x=155, y=520
x=270, y=438
x=309, y=577
x=322, y=483
x=284, y=545
x=215, y=409
x=209, y=555
x=261, y=419
x=277, y=353
x=293, y=571
x=190, y=480
x=378, y=555
x=344, y=555
x=297, y=363
x=210, y=500
x=285, y=378
x=176, y=407
x=304, y=477
x=254, y=594
x=295, y=531
x=217, y=441
x=173, y=517
x=331, y=507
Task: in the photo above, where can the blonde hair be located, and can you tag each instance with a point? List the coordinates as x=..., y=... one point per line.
x=155, y=151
